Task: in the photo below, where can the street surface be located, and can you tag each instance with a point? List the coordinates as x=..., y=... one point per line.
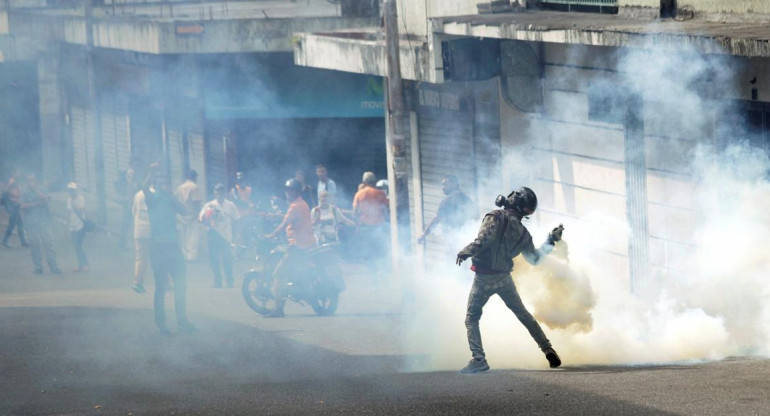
x=85, y=344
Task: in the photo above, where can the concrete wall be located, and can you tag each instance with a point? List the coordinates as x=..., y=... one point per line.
x=730, y=6
x=576, y=165
x=362, y=56
x=639, y=3
x=159, y=37
x=413, y=14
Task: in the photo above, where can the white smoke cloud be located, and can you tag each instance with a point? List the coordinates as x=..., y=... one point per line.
x=716, y=305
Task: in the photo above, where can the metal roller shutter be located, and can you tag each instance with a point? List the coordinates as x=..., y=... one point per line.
x=196, y=155
x=116, y=145
x=446, y=147
x=109, y=141
x=82, y=130
x=216, y=160
x=176, y=156
x=79, y=151
x=122, y=134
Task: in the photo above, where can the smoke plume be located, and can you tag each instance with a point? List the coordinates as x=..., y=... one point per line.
x=711, y=302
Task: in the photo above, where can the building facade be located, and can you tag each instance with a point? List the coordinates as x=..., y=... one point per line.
x=605, y=108
x=182, y=84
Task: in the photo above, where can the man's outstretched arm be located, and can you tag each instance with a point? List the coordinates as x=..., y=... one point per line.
x=534, y=255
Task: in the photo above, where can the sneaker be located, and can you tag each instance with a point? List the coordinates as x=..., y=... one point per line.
x=475, y=366
x=138, y=288
x=38, y=271
x=55, y=271
x=5, y=245
x=552, y=357
x=22, y=244
x=81, y=269
x=275, y=313
x=164, y=330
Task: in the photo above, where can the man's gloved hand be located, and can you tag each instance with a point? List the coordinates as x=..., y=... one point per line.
x=555, y=234
x=461, y=258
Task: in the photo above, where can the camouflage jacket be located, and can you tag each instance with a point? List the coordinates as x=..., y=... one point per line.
x=501, y=238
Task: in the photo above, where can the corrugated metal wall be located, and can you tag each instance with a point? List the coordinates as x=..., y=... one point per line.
x=216, y=157
x=184, y=136
x=82, y=133
x=456, y=133
x=116, y=139
x=446, y=146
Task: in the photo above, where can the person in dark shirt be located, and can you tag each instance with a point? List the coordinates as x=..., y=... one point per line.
x=453, y=211
x=307, y=193
x=11, y=200
x=165, y=256
x=37, y=217
x=501, y=238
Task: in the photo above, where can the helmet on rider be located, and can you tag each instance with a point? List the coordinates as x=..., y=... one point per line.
x=293, y=185
x=522, y=201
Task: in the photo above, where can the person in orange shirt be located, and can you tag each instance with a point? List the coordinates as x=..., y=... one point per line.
x=299, y=232
x=370, y=209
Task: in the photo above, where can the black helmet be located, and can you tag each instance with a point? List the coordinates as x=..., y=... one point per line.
x=522, y=201
x=294, y=185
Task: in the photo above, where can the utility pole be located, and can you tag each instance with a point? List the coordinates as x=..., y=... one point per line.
x=397, y=126
x=95, y=101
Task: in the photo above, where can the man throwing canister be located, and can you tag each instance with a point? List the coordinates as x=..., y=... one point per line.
x=501, y=238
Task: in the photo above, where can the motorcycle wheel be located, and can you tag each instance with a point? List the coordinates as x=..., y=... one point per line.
x=327, y=297
x=257, y=291
x=325, y=305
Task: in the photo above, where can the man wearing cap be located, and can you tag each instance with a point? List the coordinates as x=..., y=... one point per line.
x=218, y=216
x=299, y=231
x=76, y=205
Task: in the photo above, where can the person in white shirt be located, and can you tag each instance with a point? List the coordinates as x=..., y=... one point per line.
x=326, y=184
x=327, y=219
x=217, y=216
x=190, y=195
x=76, y=204
x=141, y=241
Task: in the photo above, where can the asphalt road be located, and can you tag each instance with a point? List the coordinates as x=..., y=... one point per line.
x=84, y=344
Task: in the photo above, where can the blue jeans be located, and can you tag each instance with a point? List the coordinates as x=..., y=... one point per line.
x=40, y=239
x=77, y=241
x=484, y=286
x=220, y=253
x=167, y=260
x=14, y=221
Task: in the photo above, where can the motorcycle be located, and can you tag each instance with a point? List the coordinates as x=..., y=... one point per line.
x=317, y=283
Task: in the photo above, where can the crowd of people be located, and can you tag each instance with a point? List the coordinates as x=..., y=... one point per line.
x=168, y=226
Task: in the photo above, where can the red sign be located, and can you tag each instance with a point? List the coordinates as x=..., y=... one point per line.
x=190, y=29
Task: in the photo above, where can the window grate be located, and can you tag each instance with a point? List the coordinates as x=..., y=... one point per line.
x=607, y=3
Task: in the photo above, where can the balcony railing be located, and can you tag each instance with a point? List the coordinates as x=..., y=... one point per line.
x=601, y=6
x=608, y=3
